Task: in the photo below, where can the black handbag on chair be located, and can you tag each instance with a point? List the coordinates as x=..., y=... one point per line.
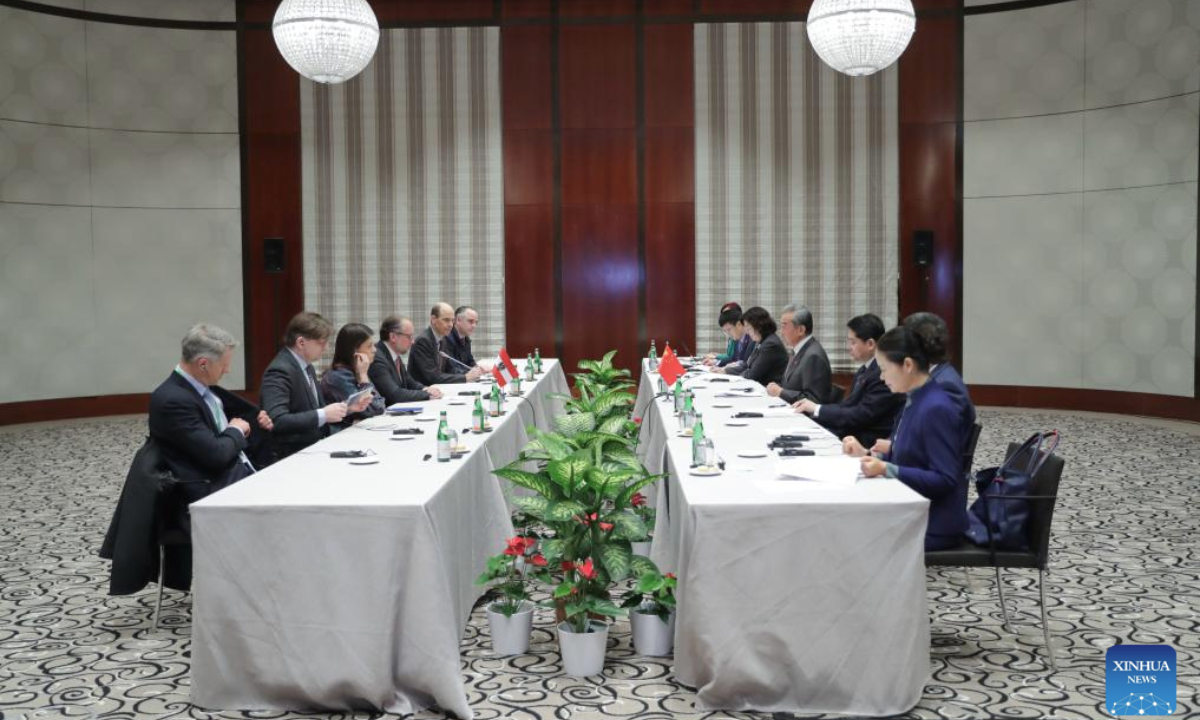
x=1000, y=517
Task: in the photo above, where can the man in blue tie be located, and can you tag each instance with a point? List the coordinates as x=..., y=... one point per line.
x=290, y=391
x=870, y=408
x=204, y=432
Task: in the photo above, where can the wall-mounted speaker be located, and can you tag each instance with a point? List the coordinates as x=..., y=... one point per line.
x=273, y=255
x=923, y=247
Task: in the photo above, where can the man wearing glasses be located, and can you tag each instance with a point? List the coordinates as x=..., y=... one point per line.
x=387, y=371
x=290, y=393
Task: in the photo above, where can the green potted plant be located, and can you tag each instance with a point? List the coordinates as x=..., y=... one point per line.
x=509, y=573
x=584, y=484
x=651, y=606
x=641, y=506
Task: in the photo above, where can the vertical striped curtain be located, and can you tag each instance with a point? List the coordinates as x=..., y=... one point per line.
x=796, y=183
x=403, y=202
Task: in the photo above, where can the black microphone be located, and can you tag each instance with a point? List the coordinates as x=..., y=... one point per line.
x=455, y=360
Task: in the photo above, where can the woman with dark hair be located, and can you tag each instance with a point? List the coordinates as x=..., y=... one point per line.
x=769, y=359
x=352, y=355
x=925, y=453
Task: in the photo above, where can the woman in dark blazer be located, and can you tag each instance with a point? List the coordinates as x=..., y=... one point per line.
x=769, y=359
x=926, y=452
x=352, y=356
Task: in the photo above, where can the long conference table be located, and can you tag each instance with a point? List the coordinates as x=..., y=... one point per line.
x=793, y=595
x=319, y=584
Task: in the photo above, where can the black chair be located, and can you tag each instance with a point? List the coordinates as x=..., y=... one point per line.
x=837, y=394
x=173, y=528
x=969, y=450
x=1041, y=512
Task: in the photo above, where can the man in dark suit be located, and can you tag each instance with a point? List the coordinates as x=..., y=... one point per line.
x=290, y=392
x=387, y=371
x=204, y=431
x=870, y=409
x=458, y=342
x=807, y=374
x=427, y=361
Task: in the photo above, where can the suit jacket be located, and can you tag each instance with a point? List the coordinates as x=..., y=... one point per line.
x=392, y=379
x=868, y=412
x=426, y=365
x=767, y=362
x=459, y=348
x=927, y=454
x=808, y=375
x=946, y=376
x=186, y=433
x=132, y=538
x=737, y=351
x=288, y=400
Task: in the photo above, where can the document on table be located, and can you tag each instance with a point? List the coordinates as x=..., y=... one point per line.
x=840, y=470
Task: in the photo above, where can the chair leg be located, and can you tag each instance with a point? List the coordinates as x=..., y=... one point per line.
x=1045, y=624
x=158, y=602
x=968, y=580
x=1003, y=606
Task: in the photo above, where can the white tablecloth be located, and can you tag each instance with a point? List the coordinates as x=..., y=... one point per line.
x=325, y=585
x=793, y=596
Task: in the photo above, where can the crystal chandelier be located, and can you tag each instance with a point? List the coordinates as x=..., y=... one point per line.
x=329, y=41
x=860, y=37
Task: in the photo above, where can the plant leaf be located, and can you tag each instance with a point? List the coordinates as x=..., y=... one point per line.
x=533, y=481
x=534, y=505
x=616, y=560
x=630, y=526
x=561, y=511
x=640, y=565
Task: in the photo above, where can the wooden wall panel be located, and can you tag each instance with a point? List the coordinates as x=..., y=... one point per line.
x=596, y=63
x=597, y=8
x=600, y=278
x=529, y=280
x=526, y=77
x=431, y=11
x=531, y=149
x=670, y=275
x=271, y=192
x=930, y=171
x=599, y=167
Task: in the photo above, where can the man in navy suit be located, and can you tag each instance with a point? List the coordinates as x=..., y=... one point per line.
x=203, y=431
x=387, y=371
x=870, y=409
x=290, y=393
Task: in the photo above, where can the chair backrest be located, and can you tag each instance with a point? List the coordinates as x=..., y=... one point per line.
x=1041, y=510
x=968, y=456
x=837, y=394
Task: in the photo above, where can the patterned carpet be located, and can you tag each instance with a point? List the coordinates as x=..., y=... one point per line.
x=1125, y=569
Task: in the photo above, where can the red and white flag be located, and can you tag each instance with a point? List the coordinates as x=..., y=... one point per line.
x=503, y=369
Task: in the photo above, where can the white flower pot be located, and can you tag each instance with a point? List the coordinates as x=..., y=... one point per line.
x=651, y=636
x=510, y=635
x=583, y=653
x=641, y=548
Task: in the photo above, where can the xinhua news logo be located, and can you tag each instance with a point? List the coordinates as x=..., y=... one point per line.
x=1139, y=680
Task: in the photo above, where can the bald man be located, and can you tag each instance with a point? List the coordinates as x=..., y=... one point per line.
x=426, y=362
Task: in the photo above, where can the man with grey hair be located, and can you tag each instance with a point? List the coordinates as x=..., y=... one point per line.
x=203, y=431
x=808, y=374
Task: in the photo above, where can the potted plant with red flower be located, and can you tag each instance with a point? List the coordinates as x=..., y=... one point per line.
x=511, y=614
x=651, y=605
x=641, y=506
x=581, y=636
